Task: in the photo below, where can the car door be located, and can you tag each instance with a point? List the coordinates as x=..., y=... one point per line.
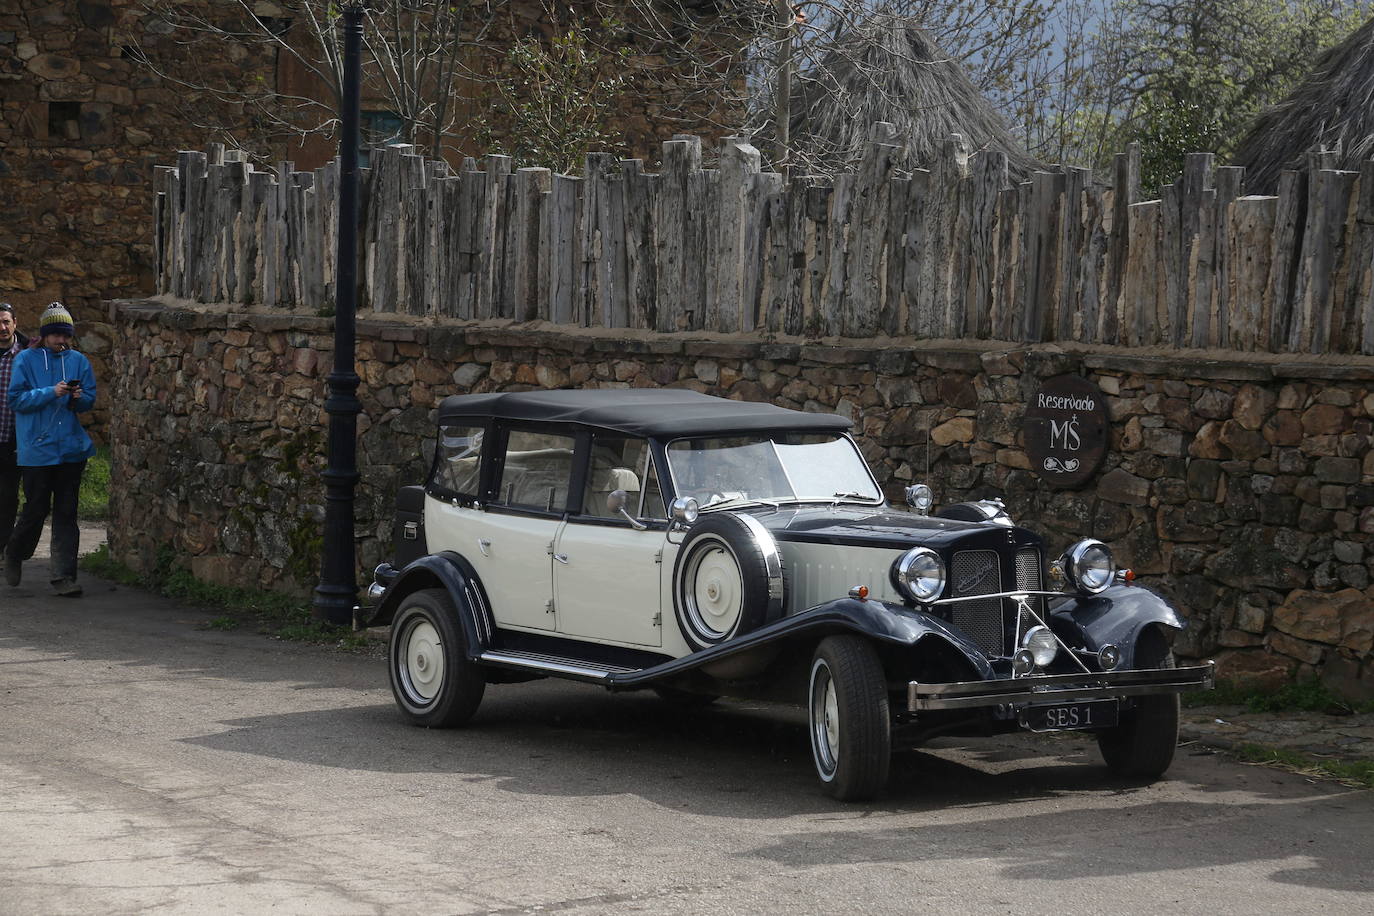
x=531, y=481
x=608, y=568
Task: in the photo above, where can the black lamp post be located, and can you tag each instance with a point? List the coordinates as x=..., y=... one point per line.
x=338, y=589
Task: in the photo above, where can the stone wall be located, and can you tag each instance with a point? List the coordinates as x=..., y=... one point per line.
x=1242, y=489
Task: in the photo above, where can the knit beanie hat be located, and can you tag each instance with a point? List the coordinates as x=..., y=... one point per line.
x=56, y=319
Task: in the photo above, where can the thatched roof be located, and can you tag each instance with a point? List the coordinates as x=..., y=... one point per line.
x=888, y=68
x=1333, y=108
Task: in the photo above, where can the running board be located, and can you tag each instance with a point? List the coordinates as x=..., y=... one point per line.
x=552, y=664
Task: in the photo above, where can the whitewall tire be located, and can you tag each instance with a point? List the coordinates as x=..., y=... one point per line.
x=434, y=683
x=848, y=718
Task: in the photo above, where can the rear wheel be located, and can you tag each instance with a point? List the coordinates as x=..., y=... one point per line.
x=1142, y=745
x=434, y=683
x=851, y=733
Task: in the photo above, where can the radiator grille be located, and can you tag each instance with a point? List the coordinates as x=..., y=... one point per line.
x=1028, y=578
x=1028, y=568
x=978, y=572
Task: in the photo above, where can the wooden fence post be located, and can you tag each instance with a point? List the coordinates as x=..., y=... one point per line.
x=1125, y=192
x=594, y=269
x=1361, y=301
x=490, y=235
x=641, y=276
x=1229, y=181
x=1250, y=253
x=739, y=163
x=1324, y=240
x=863, y=269
x=990, y=176
x=680, y=159
x=532, y=188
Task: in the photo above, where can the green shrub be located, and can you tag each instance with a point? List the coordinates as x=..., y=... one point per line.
x=1300, y=696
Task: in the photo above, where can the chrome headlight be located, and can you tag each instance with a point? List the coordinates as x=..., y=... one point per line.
x=920, y=497
x=685, y=510
x=920, y=574
x=1041, y=644
x=1090, y=566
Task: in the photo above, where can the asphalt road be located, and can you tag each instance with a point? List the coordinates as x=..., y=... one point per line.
x=151, y=765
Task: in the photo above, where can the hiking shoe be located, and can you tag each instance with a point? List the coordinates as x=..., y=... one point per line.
x=14, y=568
x=66, y=588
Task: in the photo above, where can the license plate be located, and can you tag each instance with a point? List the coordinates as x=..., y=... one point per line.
x=1063, y=716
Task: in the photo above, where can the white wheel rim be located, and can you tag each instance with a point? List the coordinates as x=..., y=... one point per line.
x=825, y=720
x=424, y=661
x=714, y=590
x=832, y=719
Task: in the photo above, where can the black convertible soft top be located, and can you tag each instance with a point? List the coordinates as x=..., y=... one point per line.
x=658, y=412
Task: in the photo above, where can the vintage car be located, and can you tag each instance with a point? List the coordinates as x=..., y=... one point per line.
x=705, y=547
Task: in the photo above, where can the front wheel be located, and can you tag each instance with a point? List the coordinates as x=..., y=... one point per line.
x=851, y=732
x=1142, y=745
x=434, y=683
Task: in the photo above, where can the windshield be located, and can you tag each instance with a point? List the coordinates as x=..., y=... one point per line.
x=772, y=469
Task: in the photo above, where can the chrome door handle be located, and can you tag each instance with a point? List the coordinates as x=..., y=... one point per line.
x=562, y=558
x=484, y=545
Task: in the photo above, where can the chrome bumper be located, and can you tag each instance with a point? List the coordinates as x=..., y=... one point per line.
x=1058, y=688
x=382, y=576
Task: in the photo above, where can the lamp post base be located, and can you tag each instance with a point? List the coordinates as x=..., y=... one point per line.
x=334, y=604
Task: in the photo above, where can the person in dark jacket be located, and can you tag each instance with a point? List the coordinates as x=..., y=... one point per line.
x=49, y=385
x=11, y=342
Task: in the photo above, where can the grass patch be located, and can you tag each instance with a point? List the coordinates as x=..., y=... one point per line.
x=1301, y=696
x=273, y=613
x=1359, y=773
x=93, y=502
x=98, y=562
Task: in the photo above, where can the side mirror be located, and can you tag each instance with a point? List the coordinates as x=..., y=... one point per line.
x=616, y=501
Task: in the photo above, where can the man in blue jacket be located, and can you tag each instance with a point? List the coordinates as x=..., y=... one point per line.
x=49, y=385
x=12, y=343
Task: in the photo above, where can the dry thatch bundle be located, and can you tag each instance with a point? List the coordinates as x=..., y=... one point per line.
x=888, y=68
x=1333, y=109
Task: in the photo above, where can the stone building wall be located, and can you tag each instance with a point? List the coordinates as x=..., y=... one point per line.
x=83, y=123
x=1242, y=489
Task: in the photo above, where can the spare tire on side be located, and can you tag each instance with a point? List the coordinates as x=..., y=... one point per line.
x=727, y=579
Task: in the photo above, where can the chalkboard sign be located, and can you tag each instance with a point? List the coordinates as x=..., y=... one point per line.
x=1065, y=429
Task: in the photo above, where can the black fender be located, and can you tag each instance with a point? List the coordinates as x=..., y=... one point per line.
x=455, y=575
x=894, y=624
x=1117, y=616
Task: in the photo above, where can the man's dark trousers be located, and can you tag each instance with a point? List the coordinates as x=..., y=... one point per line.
x=9, y=491
x=57, y=485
